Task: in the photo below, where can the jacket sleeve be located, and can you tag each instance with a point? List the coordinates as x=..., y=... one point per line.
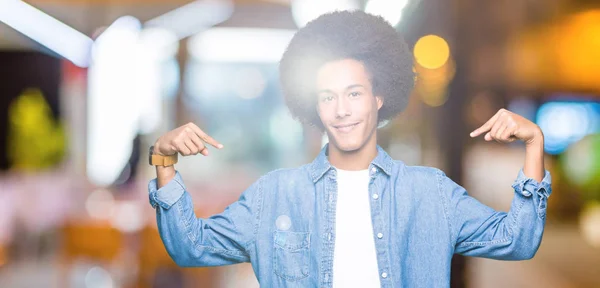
x=478, y=230
x=221, y=239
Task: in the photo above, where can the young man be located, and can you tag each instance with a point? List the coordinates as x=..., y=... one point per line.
x=353, y=217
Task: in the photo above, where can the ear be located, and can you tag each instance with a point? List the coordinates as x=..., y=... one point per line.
x=379, y=100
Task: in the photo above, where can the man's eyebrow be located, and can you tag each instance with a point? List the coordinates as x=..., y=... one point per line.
x=354, y=86
x=347, y=88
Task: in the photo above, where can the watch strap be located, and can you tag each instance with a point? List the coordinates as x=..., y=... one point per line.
x=162, y=160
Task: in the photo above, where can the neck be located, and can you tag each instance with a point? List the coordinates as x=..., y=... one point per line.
x=359, y=159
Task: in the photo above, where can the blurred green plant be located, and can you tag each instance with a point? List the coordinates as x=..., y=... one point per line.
x=581, y=165
x=35, y=139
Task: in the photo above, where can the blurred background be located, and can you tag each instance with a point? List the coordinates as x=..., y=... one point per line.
x=86, y=86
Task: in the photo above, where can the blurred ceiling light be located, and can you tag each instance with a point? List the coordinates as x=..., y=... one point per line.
x=125, y=89
x=158, y=43
x=305, y=11
x=390, y=10
x=114, y=107
x=155, y=47
x=46, y=30
x=240, y=45
x=193, y=17
x=431, y=51
x=123, y=32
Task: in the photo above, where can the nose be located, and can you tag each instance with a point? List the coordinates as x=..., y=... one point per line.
x=342, y=108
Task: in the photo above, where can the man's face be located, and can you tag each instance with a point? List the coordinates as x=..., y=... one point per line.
x=346, y=104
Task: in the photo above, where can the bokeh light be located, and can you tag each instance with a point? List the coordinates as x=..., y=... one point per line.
x=581, y=165
x=561, y=56
x=431, y=51
x=127, y=216
x=100, y=204
x=432, y=84
x=433, y=96
x=564, y=123
x=589, y=224
x=97, y=277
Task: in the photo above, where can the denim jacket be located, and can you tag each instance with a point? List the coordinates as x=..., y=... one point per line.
x=284, y=224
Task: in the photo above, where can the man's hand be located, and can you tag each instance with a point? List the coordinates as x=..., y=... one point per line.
x=185, y=140
x=506, y=127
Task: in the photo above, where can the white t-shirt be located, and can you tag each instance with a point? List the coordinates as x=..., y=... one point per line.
x=354, y=257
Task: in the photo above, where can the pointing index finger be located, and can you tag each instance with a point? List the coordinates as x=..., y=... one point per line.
x=205, y=136
x=485, y=127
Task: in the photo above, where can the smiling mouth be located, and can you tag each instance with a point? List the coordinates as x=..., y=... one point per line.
x=345, y=128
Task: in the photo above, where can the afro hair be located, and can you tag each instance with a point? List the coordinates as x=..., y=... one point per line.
x=346, y=35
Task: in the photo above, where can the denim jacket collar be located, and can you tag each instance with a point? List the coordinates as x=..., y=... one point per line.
x=321, y=164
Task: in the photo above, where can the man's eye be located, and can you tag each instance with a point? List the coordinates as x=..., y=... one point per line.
x=327, y=98
x=355, y=94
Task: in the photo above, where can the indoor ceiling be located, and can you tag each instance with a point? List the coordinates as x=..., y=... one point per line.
x=87, y=16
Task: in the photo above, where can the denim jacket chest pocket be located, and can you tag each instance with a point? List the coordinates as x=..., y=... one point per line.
x=291, y=254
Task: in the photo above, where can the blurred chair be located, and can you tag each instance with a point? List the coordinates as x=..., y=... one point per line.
x=153, y=257
x=98, y=242
x=3, y=255
x=157, y=269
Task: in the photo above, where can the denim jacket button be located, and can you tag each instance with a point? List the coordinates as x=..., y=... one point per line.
x=384, y=275
x=379, y=235
x=373, y=169
x=375, y=196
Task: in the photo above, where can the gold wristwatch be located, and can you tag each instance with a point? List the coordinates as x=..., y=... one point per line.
x=161, y=160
